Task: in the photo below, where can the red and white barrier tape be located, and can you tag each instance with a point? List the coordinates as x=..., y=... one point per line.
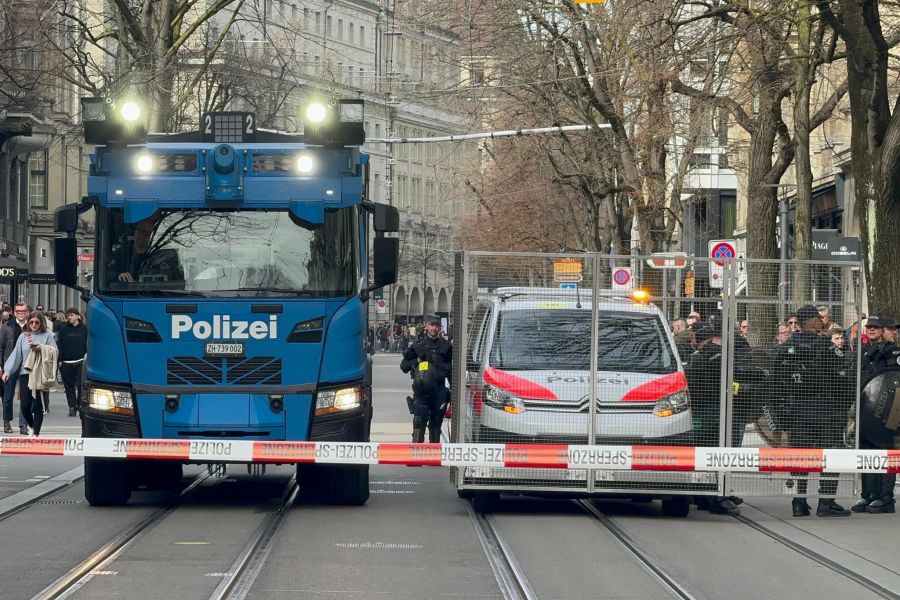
x=545, y=456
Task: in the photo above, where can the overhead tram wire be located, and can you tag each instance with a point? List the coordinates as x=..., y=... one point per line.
x=490, y=134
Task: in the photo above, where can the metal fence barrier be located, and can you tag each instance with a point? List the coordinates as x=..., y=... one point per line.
x=564, y=349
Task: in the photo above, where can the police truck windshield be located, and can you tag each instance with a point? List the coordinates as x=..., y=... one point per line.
x=228, y=254
x=560, y=339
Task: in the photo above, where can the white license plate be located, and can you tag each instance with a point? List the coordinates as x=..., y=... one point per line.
x=222, y=349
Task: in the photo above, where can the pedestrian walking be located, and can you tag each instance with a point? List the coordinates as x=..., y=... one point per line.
x=72, y=343
x=878, y=356
x=808, y=372
x=34, y=358
x=9, y=335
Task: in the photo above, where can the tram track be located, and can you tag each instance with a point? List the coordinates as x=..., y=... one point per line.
x=658, y=570
x=509, y=574
x=855, y=576
x=20, y=501
x=245, y=569
x=83, y=572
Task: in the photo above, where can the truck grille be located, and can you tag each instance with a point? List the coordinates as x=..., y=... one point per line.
x=257, y=370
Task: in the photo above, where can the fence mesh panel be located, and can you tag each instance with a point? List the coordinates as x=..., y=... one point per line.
x=557, y=349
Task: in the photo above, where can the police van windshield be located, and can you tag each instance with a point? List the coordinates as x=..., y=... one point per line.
x=227, y=253
x=560, y=339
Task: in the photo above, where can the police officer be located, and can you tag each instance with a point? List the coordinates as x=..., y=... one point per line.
x=430, y=361
x=704, y=375
x=808, y=373
x=878, y=356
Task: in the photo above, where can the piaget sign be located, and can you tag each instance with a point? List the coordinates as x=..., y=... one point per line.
x=826, y=245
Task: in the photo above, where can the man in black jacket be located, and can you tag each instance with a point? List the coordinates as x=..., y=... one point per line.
x=430, y=360
x=811, y=377
x=9, y=334
x=71, y=340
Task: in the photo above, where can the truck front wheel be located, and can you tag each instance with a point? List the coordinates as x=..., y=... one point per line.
x=342, y=485
x=106, y=482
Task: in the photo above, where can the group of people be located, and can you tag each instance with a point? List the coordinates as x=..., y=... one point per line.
x=33, y=346
x=804, y=383
x=392, y=337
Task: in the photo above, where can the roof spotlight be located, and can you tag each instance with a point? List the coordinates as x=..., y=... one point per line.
x=316, y=112
x=304, y=164
x=131, y=111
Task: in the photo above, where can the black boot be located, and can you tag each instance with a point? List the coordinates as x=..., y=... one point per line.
x=881, y=505
x=800, y=507
x=434, y=435
x=73, y=412
x=418, y=436
x=830, y=508
x=7, y=427
x=860, y=505
x=723, y=506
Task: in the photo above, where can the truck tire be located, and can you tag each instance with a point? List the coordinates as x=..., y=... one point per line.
x=348, y=485
x=676, y=506
x=157, y=475
x=106, y=482
x=341, y=485
x=485, y=502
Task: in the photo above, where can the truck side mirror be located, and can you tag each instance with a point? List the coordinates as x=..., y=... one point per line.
x=65, y=260
x=65, y=219
x=386, y=258
x=385, y=218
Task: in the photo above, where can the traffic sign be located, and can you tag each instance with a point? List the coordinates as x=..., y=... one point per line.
x=725, y=251
x=568, y=286
x=668, y=260
x=621, y=279
x=381, y=306
x=567, y=270
x=722, y=251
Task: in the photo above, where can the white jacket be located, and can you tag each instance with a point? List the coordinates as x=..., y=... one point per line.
x=41, y=367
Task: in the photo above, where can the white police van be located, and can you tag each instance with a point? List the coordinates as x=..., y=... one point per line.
x=529, y=370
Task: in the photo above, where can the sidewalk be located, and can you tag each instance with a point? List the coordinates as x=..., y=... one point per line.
x=57, y=423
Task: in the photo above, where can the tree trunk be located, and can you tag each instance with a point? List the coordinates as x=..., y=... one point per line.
x=800, y=291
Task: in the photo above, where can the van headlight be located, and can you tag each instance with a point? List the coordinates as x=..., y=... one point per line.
x=502, y=400
x=108, y=400
x=338, y=400
x=672, y=404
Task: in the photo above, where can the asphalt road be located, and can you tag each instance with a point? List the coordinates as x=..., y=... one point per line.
x=414, y=538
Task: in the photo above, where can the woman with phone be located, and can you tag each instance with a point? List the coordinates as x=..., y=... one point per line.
x=32, y=339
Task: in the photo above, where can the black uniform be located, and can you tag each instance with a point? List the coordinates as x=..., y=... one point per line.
x=877, y=488
x=812, y=379
x=704, y=376
x=429, y=408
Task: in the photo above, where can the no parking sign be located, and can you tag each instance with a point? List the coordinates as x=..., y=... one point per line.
x=721, y=252
x=622, y=281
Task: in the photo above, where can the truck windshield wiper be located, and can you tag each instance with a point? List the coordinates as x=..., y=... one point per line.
x=276, y=290
x=156, y=293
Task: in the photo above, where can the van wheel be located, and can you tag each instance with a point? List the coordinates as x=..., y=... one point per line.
x=676, y=506
x=485, y=502
x=107, y=482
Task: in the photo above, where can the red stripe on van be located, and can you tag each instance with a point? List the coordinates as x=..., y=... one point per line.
x=518, y=386
x=658, y=388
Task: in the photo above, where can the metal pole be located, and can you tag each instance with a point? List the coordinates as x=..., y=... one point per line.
x=595, y=347
x=784, y=209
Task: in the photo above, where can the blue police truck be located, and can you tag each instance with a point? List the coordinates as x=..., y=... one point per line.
x=232, y=270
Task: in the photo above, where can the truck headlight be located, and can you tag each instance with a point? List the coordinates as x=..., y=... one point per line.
x=503, y=400
x=114, y=401
x=672, y=404
x=338, y=400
